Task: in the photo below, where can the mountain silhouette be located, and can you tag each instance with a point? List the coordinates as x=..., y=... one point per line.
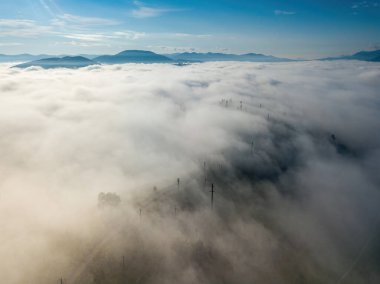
x=22, y=57
x=59, y=62
x=361, y=55
x=366, y=55
x=133, y=56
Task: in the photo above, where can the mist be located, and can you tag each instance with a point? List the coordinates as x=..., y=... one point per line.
x=106, y=173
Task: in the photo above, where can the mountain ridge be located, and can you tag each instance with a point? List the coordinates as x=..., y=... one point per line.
x=363, y=55
x=212, y=56
x=133, y=56
x=59, y=62
x=146, y=56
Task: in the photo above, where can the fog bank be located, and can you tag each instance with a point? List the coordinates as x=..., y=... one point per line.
x=292, y=149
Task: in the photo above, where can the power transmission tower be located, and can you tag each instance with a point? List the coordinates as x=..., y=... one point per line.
x=212, y=195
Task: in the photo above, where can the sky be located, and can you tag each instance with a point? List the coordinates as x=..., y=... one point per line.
x=288, y=28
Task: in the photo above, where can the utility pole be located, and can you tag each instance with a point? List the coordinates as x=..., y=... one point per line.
x=252, y=146
x=205, y=172
x=178, y=183
x=212, y=196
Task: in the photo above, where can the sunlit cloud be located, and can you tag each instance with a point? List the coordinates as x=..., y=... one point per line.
x=89, y=37
x=106, y=37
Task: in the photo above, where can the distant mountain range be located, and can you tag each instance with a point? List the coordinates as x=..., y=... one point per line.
x=139, y=56
x=21, y=57
x=362, y=55
x=30, y=57
x=143, y=56
x=57, y=62
x=204, y=57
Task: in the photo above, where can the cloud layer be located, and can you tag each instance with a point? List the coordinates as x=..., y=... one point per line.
x=293, y=151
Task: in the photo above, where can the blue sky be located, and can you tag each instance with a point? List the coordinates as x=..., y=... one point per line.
x=307, y=29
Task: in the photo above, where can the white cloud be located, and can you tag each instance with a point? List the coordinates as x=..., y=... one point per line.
x=365, y=4
x=282, y=12
x=172, y=49
x=132, y=35
x=10, y=44
x=67, y=135
x=22, y=28
x=184, y=35
x=48, y=6
x=144, y=11
x=67, y=24
x=89, y=37
x=82, y=43
x=106, y=38
x=70, y=19
x=120, y=36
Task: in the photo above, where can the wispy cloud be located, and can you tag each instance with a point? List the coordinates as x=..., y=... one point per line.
x=100, y=39
x=79, y=43
x=22, y=28
x=172, y=49
x=283, y=12
x=127, y=35
x=185, y=35
x=89, y=37
x=48, y=6
x=144, y=11
x=84, y=31
x=133, y=35
x=365, y=4
x=10, y=43
x=67, y=20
